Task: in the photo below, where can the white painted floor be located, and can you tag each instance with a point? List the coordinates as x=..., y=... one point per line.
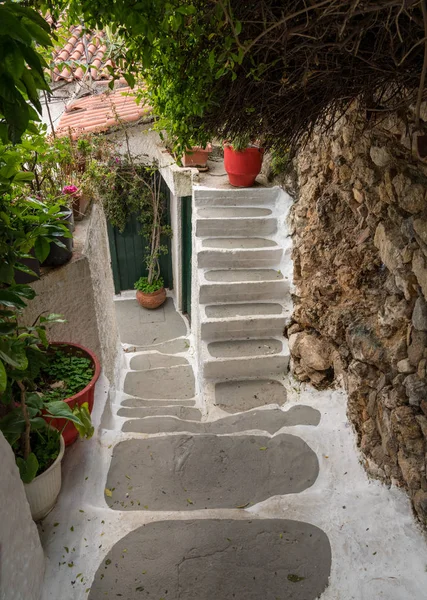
x=378, y=550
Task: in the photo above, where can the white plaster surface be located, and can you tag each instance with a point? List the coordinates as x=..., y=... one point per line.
x=378, y=550
x=21, y=554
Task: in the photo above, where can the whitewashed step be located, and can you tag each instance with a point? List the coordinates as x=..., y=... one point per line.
x=233, y=212
x=243, y=291
x=236, y=359
x=238, y=253
x=236, y=197
x=255, y=321
x=244, y=226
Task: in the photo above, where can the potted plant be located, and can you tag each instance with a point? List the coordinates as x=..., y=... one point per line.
x=242, y=161
x=69, y=374
x=150, y=295
x=197, y=156
x=134, y=188
x=79, y=201
x=25, y=411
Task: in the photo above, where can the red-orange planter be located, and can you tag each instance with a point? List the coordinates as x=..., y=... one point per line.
x=197, y=157
x=87, y=394
x=242, y=166
x=153, y=300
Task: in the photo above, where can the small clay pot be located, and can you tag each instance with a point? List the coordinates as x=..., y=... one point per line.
x=153, y=300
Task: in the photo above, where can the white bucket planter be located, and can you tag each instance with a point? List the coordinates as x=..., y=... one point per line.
x=43, y=491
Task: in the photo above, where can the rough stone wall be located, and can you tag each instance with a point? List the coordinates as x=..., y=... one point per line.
x=359, y=227
x=82, y=291
x=21, y=554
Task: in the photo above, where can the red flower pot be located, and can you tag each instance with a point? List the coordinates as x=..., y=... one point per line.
x=242, y=166
x=197, y=157
x=70, y=433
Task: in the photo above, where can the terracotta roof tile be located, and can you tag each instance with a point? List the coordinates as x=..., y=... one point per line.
x=95, y=55
x=99, y=113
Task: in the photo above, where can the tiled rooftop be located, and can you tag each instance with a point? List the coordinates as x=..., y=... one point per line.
x=82, y=49
x=99, y=113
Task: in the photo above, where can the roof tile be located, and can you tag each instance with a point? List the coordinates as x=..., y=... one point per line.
x=99, y=113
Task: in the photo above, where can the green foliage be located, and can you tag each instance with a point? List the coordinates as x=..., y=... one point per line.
x=181, y=49
x=142, y=285
x=129, y=189
x=21, y=68
x=74, y=371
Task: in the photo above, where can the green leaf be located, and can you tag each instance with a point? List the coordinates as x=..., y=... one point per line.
x=23, y=176
x=12, y=299
x=60, y=410
x=3, y=377
x=13, y=354
x=41, y=248
x=7, y=328
x=24, y=290
x=85, y=430
x=6, y=273
x=28, y=468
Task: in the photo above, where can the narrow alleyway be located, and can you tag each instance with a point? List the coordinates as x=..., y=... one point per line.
x=243, y=500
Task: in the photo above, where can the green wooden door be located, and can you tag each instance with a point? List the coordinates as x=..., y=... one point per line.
x=128, y=252
x=186, y=253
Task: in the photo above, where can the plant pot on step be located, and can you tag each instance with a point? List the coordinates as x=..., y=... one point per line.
x=57, y=255
x=43, y=491
x=197, y=157
x=80, y=206
x=242, y=166
x=151, y=300
x=87, y=394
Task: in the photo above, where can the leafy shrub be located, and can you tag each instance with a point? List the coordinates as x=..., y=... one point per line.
x=142, y=285
x=75, y=372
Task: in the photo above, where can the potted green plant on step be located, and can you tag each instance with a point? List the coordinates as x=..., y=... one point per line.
x=150, y=289
x=134, y=189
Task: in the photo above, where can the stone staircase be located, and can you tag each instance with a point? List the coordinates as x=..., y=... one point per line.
x=242, y=283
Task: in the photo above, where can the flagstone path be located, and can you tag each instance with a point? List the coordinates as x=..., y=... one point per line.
x=256, y=493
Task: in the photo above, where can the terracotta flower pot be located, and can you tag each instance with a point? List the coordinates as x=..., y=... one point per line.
x=197, y=157
x=153, y=300
x=80, y=205
x=69, y=432
x=242, y=166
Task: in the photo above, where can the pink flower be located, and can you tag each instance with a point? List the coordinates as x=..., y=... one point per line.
x=70, y=189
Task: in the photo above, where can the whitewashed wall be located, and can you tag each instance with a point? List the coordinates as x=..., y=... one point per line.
x=21, y=554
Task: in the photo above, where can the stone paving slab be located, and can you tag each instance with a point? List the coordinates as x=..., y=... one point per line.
x=182, y=412
x=173, y=382
x=262, y=420
x=244, y=348
x=236, y=396
x=184, y=472
x=212, y=559
x=153, y=360
x=144, y=327
x=170, y=347
x=138, y=402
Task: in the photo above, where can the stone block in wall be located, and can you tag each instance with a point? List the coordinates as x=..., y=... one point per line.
x=364, y=344
x=419, y=267
x=420, y=228
x=390, y=244
x=419, y=315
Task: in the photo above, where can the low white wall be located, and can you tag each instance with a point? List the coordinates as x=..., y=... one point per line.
x=82, y=291
x=21, y=554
